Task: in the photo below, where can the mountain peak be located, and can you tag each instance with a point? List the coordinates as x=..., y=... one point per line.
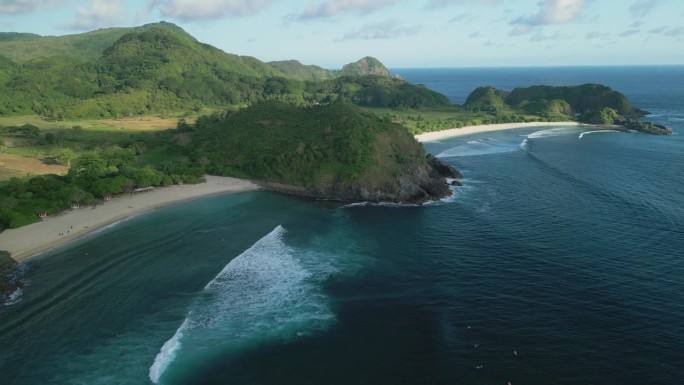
x=366, y=66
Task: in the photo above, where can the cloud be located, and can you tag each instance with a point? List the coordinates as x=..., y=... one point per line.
x=436, y=4
x=667, y=31
x=332, y=8
x=15, y=7
x=520, y=30
x=462, y=17
x=101, y=13
x=641, y=8
x=554, y=12
x=542, y=37
x=189, y=10
x=596, y=35
x=388, y=29
x=629, y=32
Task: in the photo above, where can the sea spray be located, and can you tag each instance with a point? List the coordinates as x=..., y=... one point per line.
x=263, y=294
x=480, y=147
x=582, y=135
x=559, y=131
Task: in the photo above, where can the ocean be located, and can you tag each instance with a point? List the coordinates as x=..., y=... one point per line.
x=559, y=261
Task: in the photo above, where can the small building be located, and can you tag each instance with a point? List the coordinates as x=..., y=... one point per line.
x=42, y=214
x=75, y=205
x=143, y=189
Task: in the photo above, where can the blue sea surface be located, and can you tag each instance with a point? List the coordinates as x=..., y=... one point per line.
x=559, y=261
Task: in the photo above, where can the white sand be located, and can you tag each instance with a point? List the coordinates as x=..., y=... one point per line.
x=29, y=240
x=438, y=135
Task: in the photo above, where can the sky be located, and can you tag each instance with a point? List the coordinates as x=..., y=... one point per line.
x=401, y=33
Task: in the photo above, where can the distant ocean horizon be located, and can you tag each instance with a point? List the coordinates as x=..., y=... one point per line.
x=559, y=261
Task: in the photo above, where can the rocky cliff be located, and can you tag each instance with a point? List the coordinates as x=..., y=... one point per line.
x=418, y=185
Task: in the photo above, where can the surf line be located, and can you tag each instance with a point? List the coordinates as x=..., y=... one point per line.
x=238, y=307
x=595, y=132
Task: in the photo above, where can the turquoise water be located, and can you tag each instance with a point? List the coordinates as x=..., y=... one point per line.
x=559, y=261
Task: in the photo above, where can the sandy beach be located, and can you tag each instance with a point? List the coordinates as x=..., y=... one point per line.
x=444, y=134
x=29, y=240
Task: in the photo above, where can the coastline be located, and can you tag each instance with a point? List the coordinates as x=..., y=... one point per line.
x=468, y=130
x=27, y=241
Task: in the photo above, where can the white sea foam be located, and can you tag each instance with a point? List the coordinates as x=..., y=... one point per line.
x=552, y=132
x=479, y=147
x=525, y=145
x=167, y=353
x=595, y=132
x=378, y=204
x=14, y=297
x=264, y=293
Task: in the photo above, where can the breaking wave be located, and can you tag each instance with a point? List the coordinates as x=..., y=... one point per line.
x=264, y=293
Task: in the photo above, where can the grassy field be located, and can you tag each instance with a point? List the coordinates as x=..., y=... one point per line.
x=20, y=156
x=134, y=124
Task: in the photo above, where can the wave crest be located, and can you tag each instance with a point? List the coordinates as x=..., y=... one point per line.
x=264, y=293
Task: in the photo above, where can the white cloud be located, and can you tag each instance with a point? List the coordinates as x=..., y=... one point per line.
x=387, y=29
x=331, y=8
x=15, y=7
x=188, y=10
x=101, y=13
x=554, y=12
x=641, y=8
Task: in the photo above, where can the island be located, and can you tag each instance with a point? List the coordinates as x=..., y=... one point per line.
x=593, y=104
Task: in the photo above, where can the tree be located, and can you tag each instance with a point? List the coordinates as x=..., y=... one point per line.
x=88, y=167
x=64, y=155
x=50, y=138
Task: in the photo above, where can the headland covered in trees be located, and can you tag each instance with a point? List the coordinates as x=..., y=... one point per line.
x=325, y=134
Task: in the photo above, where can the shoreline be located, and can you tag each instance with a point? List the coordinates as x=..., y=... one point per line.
x=36, y=238
x=468, y=130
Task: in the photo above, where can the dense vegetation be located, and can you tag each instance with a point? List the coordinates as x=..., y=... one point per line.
x=334, y=143
x=92, y=175
x=329, y=145
x=82, y=47
x=553, y=102
x=587, y=103
x=161, y=69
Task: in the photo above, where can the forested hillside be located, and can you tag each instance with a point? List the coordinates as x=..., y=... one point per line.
x=161, y=69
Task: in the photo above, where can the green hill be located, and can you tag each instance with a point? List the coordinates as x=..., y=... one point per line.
x=22, y=47
x=366, y=66
x=336, y=151
x=295, y=70
x=580, y=98
x=587, y=103
x=160, y=69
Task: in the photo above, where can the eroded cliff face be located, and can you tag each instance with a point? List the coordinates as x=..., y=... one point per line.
x=418, y=185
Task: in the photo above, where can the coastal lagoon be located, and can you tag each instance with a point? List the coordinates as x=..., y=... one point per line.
x=559, y=261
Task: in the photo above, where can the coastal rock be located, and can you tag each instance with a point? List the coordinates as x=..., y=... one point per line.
x=6, y=262
x=437, y=168
x=6, y=286
x=419, y=185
